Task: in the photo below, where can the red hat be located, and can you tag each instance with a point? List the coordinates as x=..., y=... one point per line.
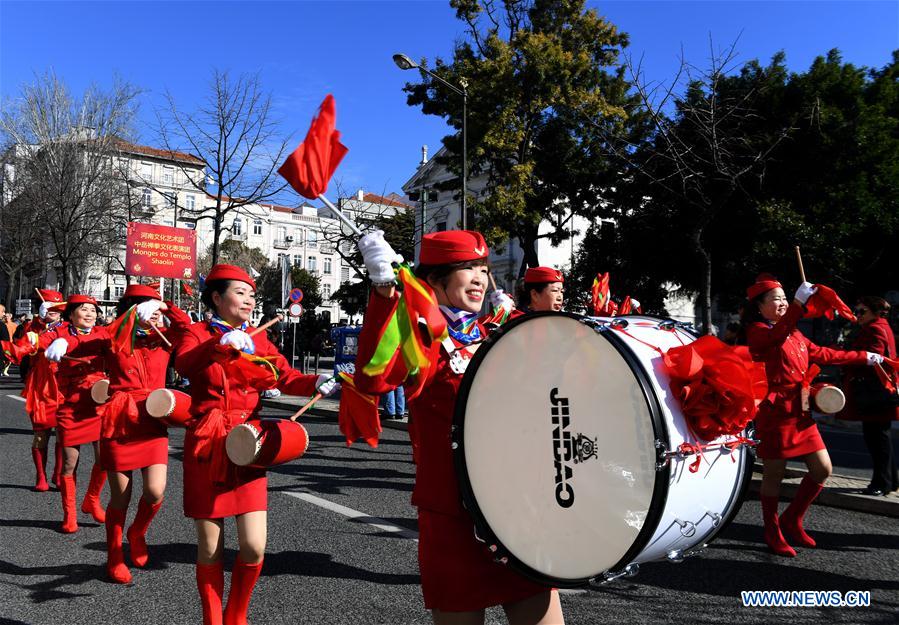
x=141, y=290
x=543, y=274
x=229, y=272
x=80, y=299
x=451, y=246
x=50, y=296
x=764, y=282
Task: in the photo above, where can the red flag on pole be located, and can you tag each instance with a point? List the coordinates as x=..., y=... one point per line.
x=825, y=302
x=310, y=167
x=186, y=288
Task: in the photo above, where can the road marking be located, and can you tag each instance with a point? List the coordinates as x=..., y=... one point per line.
x=374, y=521
x=17, y=397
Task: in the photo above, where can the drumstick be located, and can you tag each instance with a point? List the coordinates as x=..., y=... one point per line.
x=299, y=412
x=492, y=281
x=81, y=360
x=801, y=268
x=266, y=325
x=161, y=335
x=41, y=297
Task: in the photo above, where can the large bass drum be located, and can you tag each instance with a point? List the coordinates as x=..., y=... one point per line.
x=566, y=440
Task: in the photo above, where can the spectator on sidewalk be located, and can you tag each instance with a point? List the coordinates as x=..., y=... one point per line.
x=394, y=403
x=867, y=400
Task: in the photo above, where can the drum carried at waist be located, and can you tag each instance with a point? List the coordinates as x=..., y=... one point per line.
x=263, y=443
x=573, y=456
x=828, y=398
x=100, y=391
x=170, y=407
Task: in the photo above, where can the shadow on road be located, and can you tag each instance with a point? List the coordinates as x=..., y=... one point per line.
x=63, y=575
x=312, y=564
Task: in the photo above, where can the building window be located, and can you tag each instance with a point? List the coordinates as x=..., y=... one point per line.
x=146, y=198
x=171, y=199
x=312, y=263
x=344, y=274
x=168, y=175
x=297, y=236
x=257, y=226
x=237, y=226
x=190, y=202
x=326, y=291
x=118, y=291
x=312, y=239
x=298, y=260
x=326, y=265
x=146, y=171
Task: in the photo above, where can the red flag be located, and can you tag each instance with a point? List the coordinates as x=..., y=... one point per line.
x=153, y=285
x=358, y=415
x=600, y=293
x=310, y=167
x=625, y=308
x=187, y=290
x=825, y=302
x=124, y=331
x=15, y=351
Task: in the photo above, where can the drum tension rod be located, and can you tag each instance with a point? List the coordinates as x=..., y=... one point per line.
x=678, y=555
x=609, y=576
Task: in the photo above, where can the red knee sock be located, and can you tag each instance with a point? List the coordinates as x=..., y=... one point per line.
x=138, y=531
x=39, y=455
x=57, y=462
x=115, y=559
x=69, y=510
x=211, y=586
x=791, y=519
x=773, y=537
x=91, y=504
x=243, y=580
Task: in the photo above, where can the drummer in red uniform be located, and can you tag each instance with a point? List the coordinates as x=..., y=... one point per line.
x=543, y=290
x=785, y=429
x=459, y=578
x=78, y=415
x=43, y=415
x=213, y=487
x=130, y=438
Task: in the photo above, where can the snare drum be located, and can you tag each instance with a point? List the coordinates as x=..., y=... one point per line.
x=100, y=391
x=828, y=398
x=262, y=443
x=566, y=437
x=171, y=407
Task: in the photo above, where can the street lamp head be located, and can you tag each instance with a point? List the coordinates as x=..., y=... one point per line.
x=404, y=62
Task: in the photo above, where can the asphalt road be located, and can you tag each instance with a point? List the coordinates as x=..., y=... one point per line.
x=341, y=549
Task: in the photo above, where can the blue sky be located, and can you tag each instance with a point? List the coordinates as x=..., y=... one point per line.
x=305, y=49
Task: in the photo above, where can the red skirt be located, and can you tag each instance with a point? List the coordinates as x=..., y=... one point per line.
x=137, y=453
x=50, y=420
x=785, y=436
x=458, y=573
x=245, y=491
x=76, y=426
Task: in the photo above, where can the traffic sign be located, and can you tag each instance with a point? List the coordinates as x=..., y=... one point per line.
x=296, y=296
x=23, y=307
x=295, y=310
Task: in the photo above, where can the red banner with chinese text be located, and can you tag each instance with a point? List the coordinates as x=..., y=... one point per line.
x=161, y=251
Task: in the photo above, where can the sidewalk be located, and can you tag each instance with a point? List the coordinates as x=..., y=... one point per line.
x=842, y=491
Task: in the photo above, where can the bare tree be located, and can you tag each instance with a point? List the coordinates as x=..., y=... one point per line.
x=64, y=153
x=235, y=133
x=21, y=231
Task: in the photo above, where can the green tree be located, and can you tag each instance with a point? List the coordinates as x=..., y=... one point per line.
x=540, y=74
x=269, y=287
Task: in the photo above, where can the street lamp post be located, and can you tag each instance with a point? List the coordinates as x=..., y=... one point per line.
x=404, y=62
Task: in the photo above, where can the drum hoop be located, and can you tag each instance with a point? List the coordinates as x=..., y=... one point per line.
x=660, y=430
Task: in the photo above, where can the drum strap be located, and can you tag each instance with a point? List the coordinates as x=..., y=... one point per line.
x=120, y=412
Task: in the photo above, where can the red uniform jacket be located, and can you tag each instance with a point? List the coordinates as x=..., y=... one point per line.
x=436, y=486
x=75, y=378
x=876, y=337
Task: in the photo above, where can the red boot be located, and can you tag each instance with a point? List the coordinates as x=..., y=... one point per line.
x=211, y=586
x=243, y=580
x=39, y=455
x=58, y=460
x=115, y=559
x=791, y=519
x=773, y=537
x=138, y=531
x=69, y=510
x=91, y=504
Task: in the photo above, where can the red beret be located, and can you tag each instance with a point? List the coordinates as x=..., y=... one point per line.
x=543, y=274
x=141, y=290
x=452, y=246
x=764, y=282
x=230, y=272
x=81, y=299
x=50, y=296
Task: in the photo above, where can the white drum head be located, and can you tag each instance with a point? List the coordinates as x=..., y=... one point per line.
x=242, y=444
x=100, y=391
x=160, y=403
x=830, y=399
x=567, y=499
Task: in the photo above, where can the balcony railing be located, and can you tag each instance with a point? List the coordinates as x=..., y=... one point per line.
x=239, y=236
x=281, y=244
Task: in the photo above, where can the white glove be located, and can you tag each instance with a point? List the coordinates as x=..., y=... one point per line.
x=56, y=350
x=33, y=338
x=874, y=359
x=327, y=385
x=239, y=340
x=44, y=309
x=499, y=299
x=145, y=310
x=805, y=291
x=635, y=304
x=378, y=257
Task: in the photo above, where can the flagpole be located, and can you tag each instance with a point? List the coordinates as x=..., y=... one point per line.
x=349, y=224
